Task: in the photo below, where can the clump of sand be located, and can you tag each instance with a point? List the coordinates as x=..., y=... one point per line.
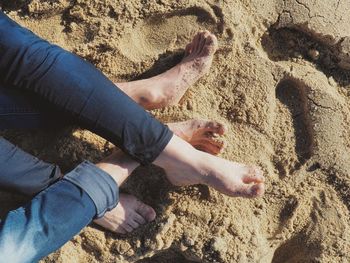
x=279, y=81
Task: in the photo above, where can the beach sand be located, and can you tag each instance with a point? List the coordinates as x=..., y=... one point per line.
x=280, y=82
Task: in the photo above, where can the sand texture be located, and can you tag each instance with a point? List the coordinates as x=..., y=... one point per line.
x=280, y=81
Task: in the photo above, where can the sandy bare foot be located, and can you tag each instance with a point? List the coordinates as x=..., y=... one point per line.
x=128, y=215
x=169, y=87
x=201, y=134
x=196, y=63
x=185, y=165
x=233, y=179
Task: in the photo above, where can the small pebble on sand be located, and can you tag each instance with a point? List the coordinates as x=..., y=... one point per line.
x=314, y=54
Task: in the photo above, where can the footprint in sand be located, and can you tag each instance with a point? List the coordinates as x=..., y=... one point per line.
x=292, y=107
x=296, y=250
x=320, y=111
x=310, y=96
x=158, y=34
x=307, y=243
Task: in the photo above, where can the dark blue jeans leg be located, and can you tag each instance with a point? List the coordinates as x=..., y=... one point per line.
x=20, y=109
x=23, y=173
x=79, y=89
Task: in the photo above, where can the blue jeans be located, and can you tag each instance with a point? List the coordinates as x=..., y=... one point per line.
x=77, y=88
x=65, y=85
x=61, y=207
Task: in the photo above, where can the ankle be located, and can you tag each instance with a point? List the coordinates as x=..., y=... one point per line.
x=118, y=166
x=179, y=155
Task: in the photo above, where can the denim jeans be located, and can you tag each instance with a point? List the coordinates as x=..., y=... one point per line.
x=77, y=88
x=20, y=109
x=60, y=208
x=65, y=85
x=40, y=227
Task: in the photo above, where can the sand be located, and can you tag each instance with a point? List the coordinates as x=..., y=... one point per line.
x=280, y=82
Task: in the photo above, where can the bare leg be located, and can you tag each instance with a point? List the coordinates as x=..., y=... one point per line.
x=169, y=87
x=130, y=213
x=184, y=165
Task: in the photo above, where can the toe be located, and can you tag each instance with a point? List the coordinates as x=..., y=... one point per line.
x=139, y=219
x=146, y=212
x=252, y=190
x=127, y=227
x=188, y=49
x=195, y=41
x=133, y=223
x=257, y=190
x=212, y=41
x=220, y=145
x=204, y=36
x=215, y=127
x=254, y=175
x=199, y=43
x=211, y=45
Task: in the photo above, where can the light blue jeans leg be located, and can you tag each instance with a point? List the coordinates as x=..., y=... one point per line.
x=56, y=214
x=43, y=225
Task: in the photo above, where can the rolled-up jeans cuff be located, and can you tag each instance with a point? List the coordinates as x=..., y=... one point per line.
x=99, y=185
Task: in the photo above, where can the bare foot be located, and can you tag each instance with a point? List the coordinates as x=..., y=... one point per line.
x=169, y=87
x=201, y=134
x=184, y=165
x=128, y=215
x=196, y=63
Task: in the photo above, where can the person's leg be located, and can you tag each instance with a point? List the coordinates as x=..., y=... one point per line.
x=32, y=175
x=24, y=173
x=168, y=88
x=71, y=84
x=52, y=218
x=29, y=63
x=189, y=166
x=23, y=110
x=76, y=87
x=59, y=212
